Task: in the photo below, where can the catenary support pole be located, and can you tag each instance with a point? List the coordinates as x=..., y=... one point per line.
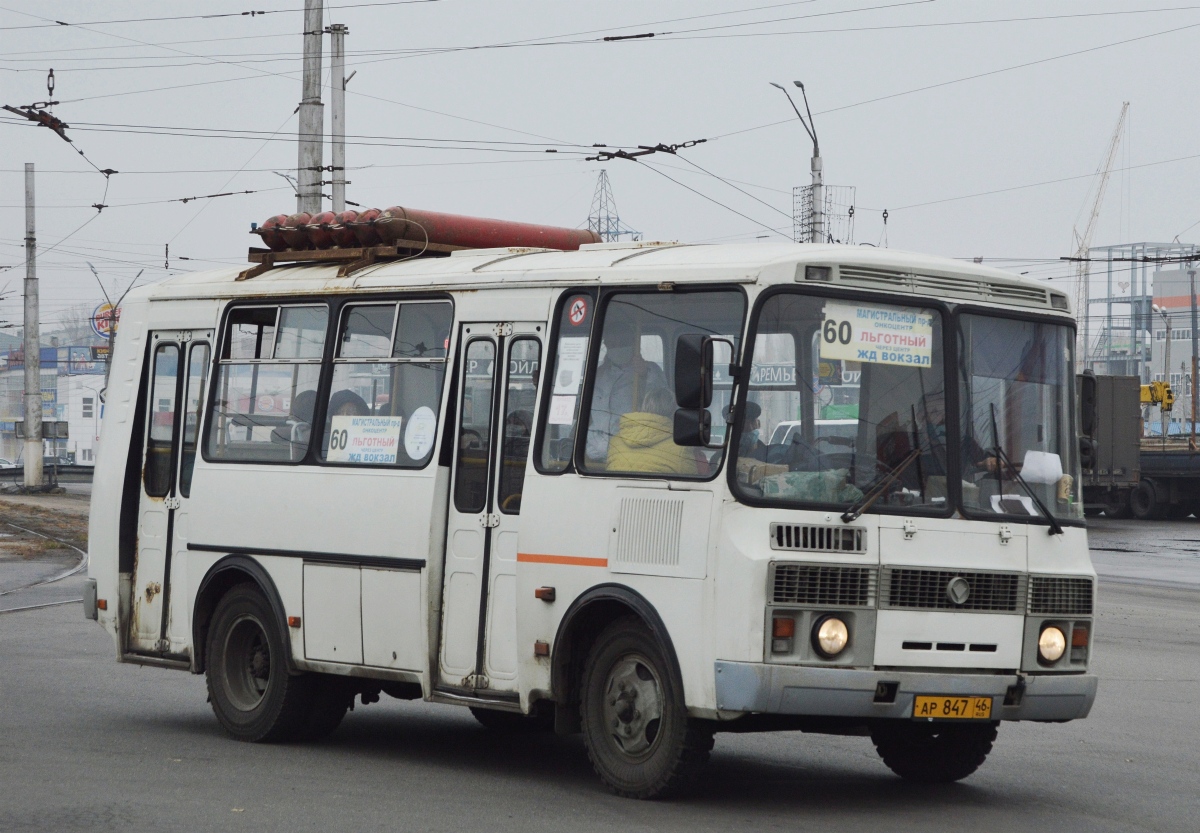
x=1192, y=289
x=33, y=353
x=310, y=158
x=337, y=124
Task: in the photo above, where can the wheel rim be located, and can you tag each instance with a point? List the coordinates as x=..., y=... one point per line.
x=633, y=706
x=247, y=663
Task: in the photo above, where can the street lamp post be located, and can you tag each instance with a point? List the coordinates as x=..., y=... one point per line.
x=1166, y=366
x=816, y=231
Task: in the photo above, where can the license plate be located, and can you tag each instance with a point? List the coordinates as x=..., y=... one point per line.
x=952, y=708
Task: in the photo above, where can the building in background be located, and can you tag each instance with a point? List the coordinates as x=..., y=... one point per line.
x=71, y=380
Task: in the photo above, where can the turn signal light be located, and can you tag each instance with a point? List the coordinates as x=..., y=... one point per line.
x=541, y=649
x=783, y=627
x=102, y=604
x=1079, y=638
x=293, y=621
x=546, y=594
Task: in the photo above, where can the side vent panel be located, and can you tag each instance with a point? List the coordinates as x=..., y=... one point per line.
x=648, y=532
x=657, y=532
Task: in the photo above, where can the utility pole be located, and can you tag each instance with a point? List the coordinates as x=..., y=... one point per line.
x=816, y=230
x=1192, y=284
x=33, y=352
x=310, y=158
x=337, y=96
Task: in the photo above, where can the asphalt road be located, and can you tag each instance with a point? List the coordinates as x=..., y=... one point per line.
x=89, y=744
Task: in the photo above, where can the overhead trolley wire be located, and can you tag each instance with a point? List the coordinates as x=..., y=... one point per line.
x=213, y=16
x=964, y=79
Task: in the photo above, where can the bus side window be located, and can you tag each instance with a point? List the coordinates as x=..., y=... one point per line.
x=266, y=383
x=475, y=429
x=162, y=421
x=387, y=384
x=524, y=361
x=561, y=409
x=193, y=401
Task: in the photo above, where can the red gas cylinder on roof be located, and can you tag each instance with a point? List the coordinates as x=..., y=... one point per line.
x=399, y=225
x=343, y=234
x=269, y=232
x=319, y=230
x=293, y=230
x=364, y=228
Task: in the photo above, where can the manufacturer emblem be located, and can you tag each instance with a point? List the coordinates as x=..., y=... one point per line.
x=958, y=590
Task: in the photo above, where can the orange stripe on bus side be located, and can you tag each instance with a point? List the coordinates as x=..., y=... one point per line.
x=575, y=560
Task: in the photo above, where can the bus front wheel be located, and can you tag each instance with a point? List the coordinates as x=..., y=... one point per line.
x=933, y=753
x=635, y=724
x=252, y=694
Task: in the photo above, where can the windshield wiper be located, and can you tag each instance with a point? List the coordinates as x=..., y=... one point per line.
x=874, y=491
x=1002, y=457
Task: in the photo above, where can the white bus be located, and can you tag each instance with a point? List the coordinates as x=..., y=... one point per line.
x=534, y=483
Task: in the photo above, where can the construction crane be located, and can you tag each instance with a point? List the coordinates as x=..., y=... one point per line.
x=1083, y=240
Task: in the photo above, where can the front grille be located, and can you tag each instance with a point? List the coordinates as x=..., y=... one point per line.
x=926, y=590
x=823, y=585
x=1060, y=595
x=813, y=538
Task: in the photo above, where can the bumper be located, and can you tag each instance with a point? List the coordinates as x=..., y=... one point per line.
x=843, y=692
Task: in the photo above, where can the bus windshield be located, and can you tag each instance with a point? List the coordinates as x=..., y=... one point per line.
x=1016, y=380
x=841, y=394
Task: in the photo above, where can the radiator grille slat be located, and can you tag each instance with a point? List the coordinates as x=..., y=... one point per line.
x=816, y=538
x=913, y=589
x=823, y=585
x=1060, y=595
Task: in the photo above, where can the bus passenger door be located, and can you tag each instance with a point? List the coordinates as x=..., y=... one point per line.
x=179, y=363
x=478, y=652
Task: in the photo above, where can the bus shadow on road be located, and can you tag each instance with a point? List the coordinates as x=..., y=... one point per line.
x=431, y=736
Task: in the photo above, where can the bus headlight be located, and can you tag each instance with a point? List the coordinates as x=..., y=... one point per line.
x=830, y=636
x=1051, y=644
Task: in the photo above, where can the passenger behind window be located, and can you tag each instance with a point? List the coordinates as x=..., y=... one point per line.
x=622, y=380
x=298, y=427
x=347, y=403
x=645, y=441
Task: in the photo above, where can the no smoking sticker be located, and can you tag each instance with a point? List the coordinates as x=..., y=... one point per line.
x=578, y=311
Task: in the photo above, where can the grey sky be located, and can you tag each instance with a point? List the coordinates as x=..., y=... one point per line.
x=1043, y=122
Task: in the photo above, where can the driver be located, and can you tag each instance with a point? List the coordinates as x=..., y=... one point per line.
x=622, y=380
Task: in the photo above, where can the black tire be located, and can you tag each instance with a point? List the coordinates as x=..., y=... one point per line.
x=638, y=735
x=252, y=693
x=1145, y=503
x=1116, y=504
x=331, y=697
x=514, y=723
x=933, y=753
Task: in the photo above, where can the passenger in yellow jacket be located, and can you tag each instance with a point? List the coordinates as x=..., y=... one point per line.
x=645, y=440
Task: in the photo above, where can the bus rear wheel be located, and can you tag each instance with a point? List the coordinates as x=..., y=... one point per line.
x=635, y=724
x=933, y=753
x=253, y=695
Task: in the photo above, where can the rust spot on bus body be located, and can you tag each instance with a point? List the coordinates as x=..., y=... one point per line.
x=152, y=590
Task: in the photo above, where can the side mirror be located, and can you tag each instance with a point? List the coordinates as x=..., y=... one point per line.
x=1088, y=415
x=693, y=372
x=693, y=427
